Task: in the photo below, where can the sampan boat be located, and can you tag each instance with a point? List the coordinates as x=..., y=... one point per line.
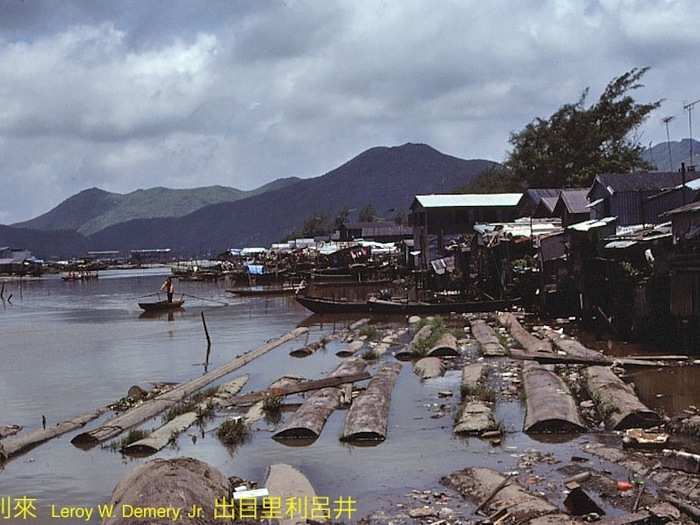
x=161, y=305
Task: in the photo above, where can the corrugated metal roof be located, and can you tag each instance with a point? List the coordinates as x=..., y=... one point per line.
x=693, y=207
x=647, y=180
x=469, y=200
x=549, y=203
x=576, y=201
x=620, y=244
x=593, y=223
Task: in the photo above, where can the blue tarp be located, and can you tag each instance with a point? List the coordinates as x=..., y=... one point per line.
x=255, y=269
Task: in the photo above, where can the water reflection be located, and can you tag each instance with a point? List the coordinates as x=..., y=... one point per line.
x=169, y=315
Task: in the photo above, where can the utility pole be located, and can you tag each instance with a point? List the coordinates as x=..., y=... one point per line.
x=666, y=120
x=689, y=108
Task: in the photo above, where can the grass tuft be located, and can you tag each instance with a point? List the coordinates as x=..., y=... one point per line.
x=371, y=332
x=132, y=436
x=233, y=432
x=480, y=392
x=272, y=404
x=423, y=346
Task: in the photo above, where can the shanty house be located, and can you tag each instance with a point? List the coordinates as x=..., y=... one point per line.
x=571, y=206
x=544, y=209
x=626, y=195
x=685, y=271
x=656, y=206
x=380, y=231
x=531, y=199
x=435, y=218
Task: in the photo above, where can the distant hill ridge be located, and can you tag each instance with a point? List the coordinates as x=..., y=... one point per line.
x=94, y=209
x=386, y=177
x=680, y=152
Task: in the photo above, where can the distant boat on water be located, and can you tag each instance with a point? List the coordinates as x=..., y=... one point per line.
x=80, y=276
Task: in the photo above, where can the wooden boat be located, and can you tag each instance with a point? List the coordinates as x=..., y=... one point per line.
x=379, y=306
x=161, y=305
x=261, y=292
x=80, y=276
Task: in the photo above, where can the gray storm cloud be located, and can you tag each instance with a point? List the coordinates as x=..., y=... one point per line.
x=123, y=95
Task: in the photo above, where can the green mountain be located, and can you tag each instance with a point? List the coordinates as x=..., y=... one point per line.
x=93, y=210
x=388, y=178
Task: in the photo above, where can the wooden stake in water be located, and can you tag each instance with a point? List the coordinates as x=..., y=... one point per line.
x=206, y=332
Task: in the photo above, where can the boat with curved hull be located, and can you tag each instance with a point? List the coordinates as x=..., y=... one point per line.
x=160, y=306
x=262, y=292
x=378, y=306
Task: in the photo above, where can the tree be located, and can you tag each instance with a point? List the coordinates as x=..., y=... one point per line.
x=400, y=218
x=367, y=213
x=577, y=142
x=341, y=218
x=315, y=225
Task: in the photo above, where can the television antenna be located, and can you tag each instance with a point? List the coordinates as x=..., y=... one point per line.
x=689, y=107
x=666, y=120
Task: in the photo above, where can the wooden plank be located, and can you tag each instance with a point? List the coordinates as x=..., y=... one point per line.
x=572, y=347
x=555, y=359
x=256, y=412
x=155, y=406
x=616, y=402
x=296, y=388
x=367, y=419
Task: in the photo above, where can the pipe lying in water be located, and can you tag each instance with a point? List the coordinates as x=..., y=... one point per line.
x=528, y=341
x=367, y=419
x=489, y=344
x=308, y=421
x=550, y=407
x=616, y=401
x=444, y=347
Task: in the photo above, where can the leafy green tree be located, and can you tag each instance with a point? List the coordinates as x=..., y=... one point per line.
x=577, y=142
x=400, y=218
x=341, y=218
x=315, y=225
x=367, y=214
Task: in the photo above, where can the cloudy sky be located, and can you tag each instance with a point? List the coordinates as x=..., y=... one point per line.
x=132, y=94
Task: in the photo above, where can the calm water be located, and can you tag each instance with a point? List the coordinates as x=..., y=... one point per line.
x=70, y=347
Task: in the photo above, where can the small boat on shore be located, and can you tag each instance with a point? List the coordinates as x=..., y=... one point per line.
x=160, y=306
x=381, y=306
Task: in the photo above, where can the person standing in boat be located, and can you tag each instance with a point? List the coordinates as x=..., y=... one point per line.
x=169, y=288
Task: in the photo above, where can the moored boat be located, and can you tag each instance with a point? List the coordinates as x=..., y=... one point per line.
x=380, y=306
x=80, y=276
x=259, y=292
